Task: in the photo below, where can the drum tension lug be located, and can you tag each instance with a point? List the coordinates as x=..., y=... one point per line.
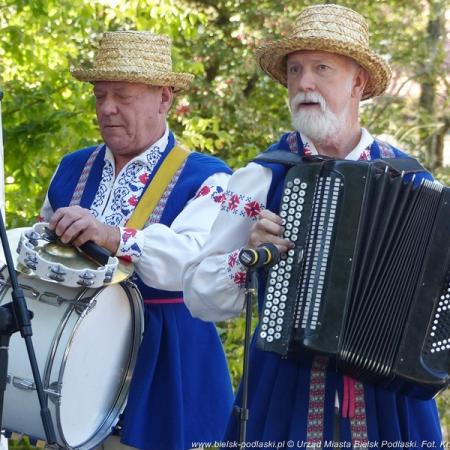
x=53, y=391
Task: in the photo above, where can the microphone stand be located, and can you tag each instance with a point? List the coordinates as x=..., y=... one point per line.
x=253, y=259
x=250, y=294
x=16, y=317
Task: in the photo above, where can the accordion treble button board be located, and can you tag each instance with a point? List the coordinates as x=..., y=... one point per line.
x=278, y=313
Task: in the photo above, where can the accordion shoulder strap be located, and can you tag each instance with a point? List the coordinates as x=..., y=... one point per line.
x=279, y=157
x=402, y=165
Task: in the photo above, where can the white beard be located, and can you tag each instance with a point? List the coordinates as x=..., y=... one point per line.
x=318, y=125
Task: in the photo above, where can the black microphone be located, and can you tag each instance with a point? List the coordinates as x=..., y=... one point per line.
x=90, y=248
x=264, y=255
x=97, y=253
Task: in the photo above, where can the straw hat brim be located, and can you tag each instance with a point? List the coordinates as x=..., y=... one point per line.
x=178, y=81
x=272, y=59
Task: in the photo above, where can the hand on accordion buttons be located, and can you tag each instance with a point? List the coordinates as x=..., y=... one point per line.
x=269, y=228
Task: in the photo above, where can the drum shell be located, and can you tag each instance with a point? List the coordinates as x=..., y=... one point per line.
x=86, y=347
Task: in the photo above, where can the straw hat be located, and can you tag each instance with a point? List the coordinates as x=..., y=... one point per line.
x=329, y=28
x=136, y=57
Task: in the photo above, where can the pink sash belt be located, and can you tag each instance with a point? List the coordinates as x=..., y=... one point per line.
x=163, y=301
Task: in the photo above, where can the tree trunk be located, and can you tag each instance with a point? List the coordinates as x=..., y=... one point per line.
x=431, y=138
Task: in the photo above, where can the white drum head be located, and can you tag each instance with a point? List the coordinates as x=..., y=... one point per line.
x=96, y=364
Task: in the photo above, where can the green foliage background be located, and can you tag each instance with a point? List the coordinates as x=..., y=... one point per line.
x=232, y=110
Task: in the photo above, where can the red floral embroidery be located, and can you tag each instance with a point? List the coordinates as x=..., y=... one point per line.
x=205, y=190
x=126, y=258
x=133, y=200
x=220, y=198
x=40, y=218
x=144, y=178
x=365, y=155
x=239, y=277
x=233, y=203
x=128, y=233
x=316, y=401
x=232, y=259
x=252, y=209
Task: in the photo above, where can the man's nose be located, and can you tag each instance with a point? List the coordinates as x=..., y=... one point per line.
x=107, y=106
x=306, y=81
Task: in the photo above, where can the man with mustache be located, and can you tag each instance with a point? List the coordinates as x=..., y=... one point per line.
x=304, y=402
x=181, y=375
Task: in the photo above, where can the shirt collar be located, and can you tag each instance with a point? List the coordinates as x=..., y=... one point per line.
x=147, y=155
x=364, y=143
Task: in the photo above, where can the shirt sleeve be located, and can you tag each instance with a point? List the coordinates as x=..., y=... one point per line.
x=46, y=211
x=214, y=279
x=159, y=252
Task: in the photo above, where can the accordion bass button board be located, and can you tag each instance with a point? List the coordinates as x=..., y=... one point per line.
x=368, y=281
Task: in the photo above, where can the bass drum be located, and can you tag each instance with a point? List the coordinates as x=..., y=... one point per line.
x=86, y=343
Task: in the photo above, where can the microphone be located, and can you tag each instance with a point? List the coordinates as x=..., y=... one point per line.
x=90, y=248
x=97, y=253
x=264, y=255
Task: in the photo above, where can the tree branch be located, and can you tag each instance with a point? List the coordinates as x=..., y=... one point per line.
x=250, y=85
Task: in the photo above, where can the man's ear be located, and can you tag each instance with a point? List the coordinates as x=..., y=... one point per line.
x=166, y=99
x=359, y=82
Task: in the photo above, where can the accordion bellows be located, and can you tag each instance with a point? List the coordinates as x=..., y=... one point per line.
x=368, y=281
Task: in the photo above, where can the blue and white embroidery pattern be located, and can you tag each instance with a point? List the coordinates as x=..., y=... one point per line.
x=107, y=180
x=116, y=199
x=129, y=249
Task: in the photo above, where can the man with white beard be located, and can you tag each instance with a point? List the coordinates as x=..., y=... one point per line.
x=301, y=402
